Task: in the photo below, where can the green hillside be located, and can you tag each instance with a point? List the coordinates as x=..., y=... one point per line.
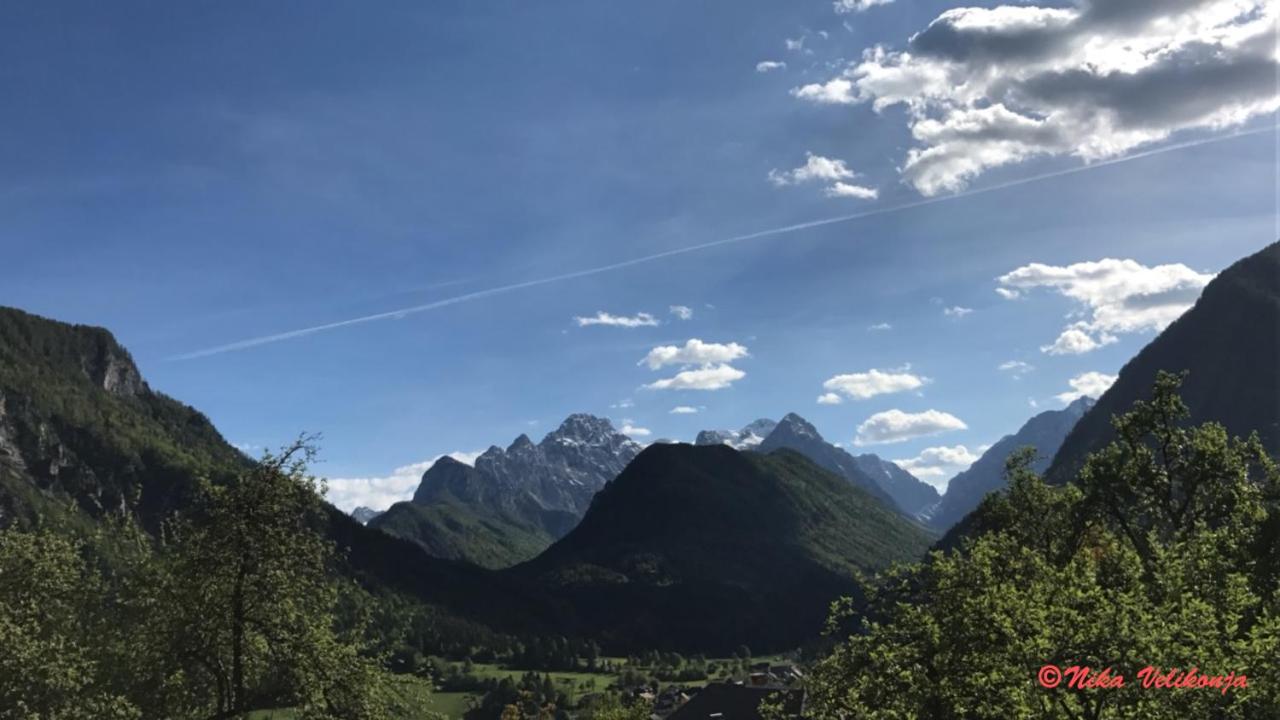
x=700, y=547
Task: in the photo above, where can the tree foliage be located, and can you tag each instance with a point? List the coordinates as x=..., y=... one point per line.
x=235, y=609
x=1162, y=553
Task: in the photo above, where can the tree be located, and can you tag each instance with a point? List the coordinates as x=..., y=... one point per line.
x=51, y=604
x=249, y=600
x=1159, y=554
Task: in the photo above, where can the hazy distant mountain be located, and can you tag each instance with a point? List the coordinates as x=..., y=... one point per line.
x=745, y=439
x=513, y=503
x=707, y=547
x=912, y=494
x=1045, y=432
x=1228, y=342
x=795, y=433
x=364, y=514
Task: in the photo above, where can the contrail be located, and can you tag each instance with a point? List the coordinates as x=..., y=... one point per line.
x=772, y=232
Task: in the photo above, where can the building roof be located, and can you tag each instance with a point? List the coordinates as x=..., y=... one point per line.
x=722, y=701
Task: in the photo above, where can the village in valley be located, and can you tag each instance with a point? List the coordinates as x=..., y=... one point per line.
x=657, y=686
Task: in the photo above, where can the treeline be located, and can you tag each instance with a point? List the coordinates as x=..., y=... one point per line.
x=1164, y=552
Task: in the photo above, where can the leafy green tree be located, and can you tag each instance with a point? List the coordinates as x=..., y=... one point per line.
x=1158, y=555
x=249, y=602
x=50, y=614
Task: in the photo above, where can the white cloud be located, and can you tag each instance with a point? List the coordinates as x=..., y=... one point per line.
x=878, y=327
x=1075, y=341
x=604, y=318
x=892, y=426
x=937, y=465
x=684, y=410
x=710, y=377
x=844, y=189
x=955, y=311
x=631, y=430
x=765, y=66
x=986, y=87
x=830, y=399
x=683, y=312
x=844, y=7
x=382, y=492
x=1015, y=368
x=1090, y=384
x=863, y=385
x=1113, y=296
x=694, y=352
x=1008, y=294
x=828, y=170
x=816, y=167
x=623, y=404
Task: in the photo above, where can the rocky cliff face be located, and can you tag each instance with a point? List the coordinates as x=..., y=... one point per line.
x=77, y=419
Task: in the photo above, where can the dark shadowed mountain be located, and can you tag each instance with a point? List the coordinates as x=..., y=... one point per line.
x=514, y=502
x=698, y=547
x=912, y=494
x=1044, y=432
x=795, y=433
x=1229, y=345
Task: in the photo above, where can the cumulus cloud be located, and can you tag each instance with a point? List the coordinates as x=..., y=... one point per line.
x=828, y=170
x=937, y=465
x=683, y=312
x=955, y=311
x=710, y=377
x=630, y=429
x=844, y=7
x=844, y=189
x=1015, y=368
x=704, y=366
x=987, y=87
x=893, y=426
x=1008, y=294
x=1113, y=297
x=830, y=399
x=604, y=318
x=694, y=352
x=684, y=410
x=863, y=385
x=1090, y=384
x=380, y=493
x=765, y=66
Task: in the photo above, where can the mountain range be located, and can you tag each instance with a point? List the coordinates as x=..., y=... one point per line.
x=515, y=502
x=743, y=539
x=889, y=483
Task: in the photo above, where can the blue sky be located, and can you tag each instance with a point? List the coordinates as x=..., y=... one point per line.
x=196, y=177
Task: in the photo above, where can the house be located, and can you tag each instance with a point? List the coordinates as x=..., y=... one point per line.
x=725, y=701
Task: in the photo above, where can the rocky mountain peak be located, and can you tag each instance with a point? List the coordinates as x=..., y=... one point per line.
x=521, y=444
x=584, y=427
x=748, y=437
x=793, y=424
